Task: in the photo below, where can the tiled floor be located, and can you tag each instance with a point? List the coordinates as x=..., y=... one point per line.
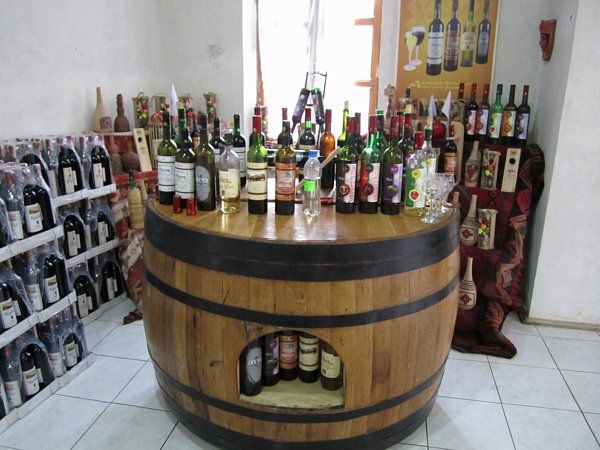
x=546, y=397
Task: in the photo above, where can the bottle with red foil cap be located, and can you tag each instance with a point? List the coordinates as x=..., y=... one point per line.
x=416, y=174
x=256, y=170
x=177, y=204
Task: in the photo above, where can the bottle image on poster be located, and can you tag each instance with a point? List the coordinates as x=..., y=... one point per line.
x=435, y=42
x=452, y=40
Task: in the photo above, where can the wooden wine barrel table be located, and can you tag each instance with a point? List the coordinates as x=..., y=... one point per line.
x=382, y=290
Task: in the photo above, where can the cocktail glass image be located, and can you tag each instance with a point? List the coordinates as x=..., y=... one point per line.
x=411, y=42
x=419, y=33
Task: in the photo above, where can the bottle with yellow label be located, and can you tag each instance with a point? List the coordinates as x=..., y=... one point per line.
x=416, y=175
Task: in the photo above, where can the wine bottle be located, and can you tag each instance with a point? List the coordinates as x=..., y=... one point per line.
x=380, y=140
x=121, y=122
x=299, y=109
x=74, y=240
x=257, y=112
x=217, y=142
x=106, y=164
x=96, y=178
x=51, y=289
x=33, y=211
x=450, y=155
x=8, y=307
x=522, y=122
x=429, y=153
x=101, y=121
x=282, y=133
x=332, y=371
x=458, y=107
x=42, y=367
x=31, y=278
x=341, y=141
x=71, y=351
x=239, y=146
x=471, y=115
x=369, y=171
x=205, y=170
x=307, y=141
x=107, y=290
x=483, y=114
x=317, y=99
x=285, y=174
x=308, y=358
x=105, y=231
x=346, y=173
x=44, y=199
x=270, y=358
x=391, y=174
x=509, y=118
x=326, y=146
x=359, y=145
x=60, y=269
x=75, y=169
x=435, y=42
x=11, y=373
x=51, y=340
x=288, y=355
x=257, y=170
x=195, y=133
x=467, y=47
x=4, y=407
x=184, y=161
x=166, y=163
x=80, y=292
x=407, y=145
x=495, y=123
x=13, y=207
x=416, y=174
x=66, y=181
x=31, y=382
x=251, y=369
x=452, y=40
x=483, y=35
x=229, y=177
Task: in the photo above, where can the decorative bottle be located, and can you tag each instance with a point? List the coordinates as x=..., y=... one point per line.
x=101, y=121
x=468, y=227
x=467, y=292
x=472, y=167
x=121, y=122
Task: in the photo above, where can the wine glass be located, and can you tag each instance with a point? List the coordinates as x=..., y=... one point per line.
x=432, y=190
x=411, y=42
x=419, y=33
x=448, y=187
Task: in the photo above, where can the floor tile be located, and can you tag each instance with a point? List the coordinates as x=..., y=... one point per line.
x=103, y=380
x=467, y=356
x=585, y=388
x=594, y=422
x=548, y=429
x=469, y=380
x=419, y=437
x=125, y=341
x=143, y=390
x=512, y=325
x=574, y=354
x=56, y=424
x=569, y=333
x=466, y=424
x=183, y=439
x=117, y=313
x=531, y=351
x=128, y=427
x=96, y=331
x=407, y=447
x=532, y=386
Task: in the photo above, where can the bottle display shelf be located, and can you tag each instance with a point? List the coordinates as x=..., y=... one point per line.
x=24, y=245
x=93, y=252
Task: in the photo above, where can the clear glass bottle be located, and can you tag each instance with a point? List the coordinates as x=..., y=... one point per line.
x=312, y=185
x=229, y=177
x=416, y=174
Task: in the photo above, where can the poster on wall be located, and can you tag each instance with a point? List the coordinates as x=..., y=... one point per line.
x=443, y=43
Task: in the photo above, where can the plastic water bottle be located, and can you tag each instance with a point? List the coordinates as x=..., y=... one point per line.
x=312, y=185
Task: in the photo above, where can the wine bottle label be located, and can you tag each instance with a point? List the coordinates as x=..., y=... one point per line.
x=16, y=224
x=346, y=182
x=330, y=365
x=98, y=174
x=392, y=183
x=13, y=393
x=450, y=163
x=471, y=122
x=495, y=123
x=72, y=243
x=257, y=180
x=40, y=374
x=52, y=183
x=483, y=44
x=508, y=123
x=75, y=183
x=431, y=164
x=166, y=173
x=184, y=179
x=271, y=357
x=90, y=302
x=3, y=398
x=254, y=365
x=452, y=42
x=51, y=290
x=435, y=47
x=69, y=180
x=70, y=354
x=522, y=126
x=88, y=235
x=415, y=188
x=306, y=147
x=308, y=356
x=31, y=382
x=288, y=351
x=468, y=41
x=56, y=363
x=285, y=180
x=466, y=299
x=34, y=294
x=110, y=288
x=102, y=232
x=241, y=152
x=115, y=285
x=229, y=183
x=8, y=315
x=204, y=184
x=33, y=218
x=482, y=121
x=82, y=305
x=18, y=311
x=369, y=182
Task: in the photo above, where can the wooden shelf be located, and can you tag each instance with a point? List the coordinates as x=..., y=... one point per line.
x=296, y=394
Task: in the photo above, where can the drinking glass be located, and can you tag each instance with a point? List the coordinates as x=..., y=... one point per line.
x=432, y=190
x=411, y=42
x=419, y=33
x=448, y=183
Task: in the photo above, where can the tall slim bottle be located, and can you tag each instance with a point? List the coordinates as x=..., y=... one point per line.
x=380, y=140
x=435, y=42
x=341, y=141
x=167, y=149
x=326, y=146
x=452, y=40
x=346, y=173
x=284, y=117
x=285, y=174
x=270, y=359
x=483, y=35
x=229, y=177
x=184, y=162
x=205, y=170
x=240, y=147
x=251, y=369
x=257, y=170
x=217, y=142
x=332, y=369
x=391, y=173
x=416, y=174
x=509, y=118
x=467, y=46
x=483, y=114
x=495, y=123
x=522, y=123
x=471, y=115
x=288, y=355
x=407, y=146
x=358, y=144
x=308, y=358
x=369, y=171
x=458, y=106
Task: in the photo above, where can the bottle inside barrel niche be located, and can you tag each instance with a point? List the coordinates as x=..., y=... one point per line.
x=332, y=370
x=288, y=355
x=308, y=358
x=270, y=359
x=251, y=368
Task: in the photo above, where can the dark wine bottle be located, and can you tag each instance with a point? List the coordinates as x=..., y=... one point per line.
x=284, y=117
x=326, y=146
x=8, y=308
x=251, y=369
x=346, y=163
x=483, y=116
x=105, y=231
x=452, y=40
x=509, y=118
x=471, y=112
x=66, y=177
x=450, y=155
x=49, y=336
x=96, y=178
x=31, y=279
x=359, y=145
x=217, y=141
x=341, y=141
x=76, y=169
x=31, y=382
x=522, y=122
x=257, y=170
x=285, y=174
x=484, y=35
x=62, y=278
x=21, y=309
x=239, y=146
x=51, y=290
x=81, y=293
x=332, y=371
x=13, y=207
x=270, y=359
x=72, y=351
x=74, y=240
x=435, y=42
x=288, y=355
x=184, y=161
x=205, y=170
x=369, y=171
x=33, y=212
x=317, y=99
x=495, y=122
x=300, y=106
x=391, y=173
x=11, y=373
x=42, y=367
x=107, y=290
x=308, y=358
x=307, y=141
x=193, y=127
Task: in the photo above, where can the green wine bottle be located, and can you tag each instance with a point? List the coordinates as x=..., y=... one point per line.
x=391, y=173
x=496, y=118
x=184, y=161
x=369, y=171
x=256, y=170
x=345, y=173
x=167, y=149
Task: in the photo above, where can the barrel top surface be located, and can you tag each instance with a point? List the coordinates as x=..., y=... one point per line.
x=329, y=228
